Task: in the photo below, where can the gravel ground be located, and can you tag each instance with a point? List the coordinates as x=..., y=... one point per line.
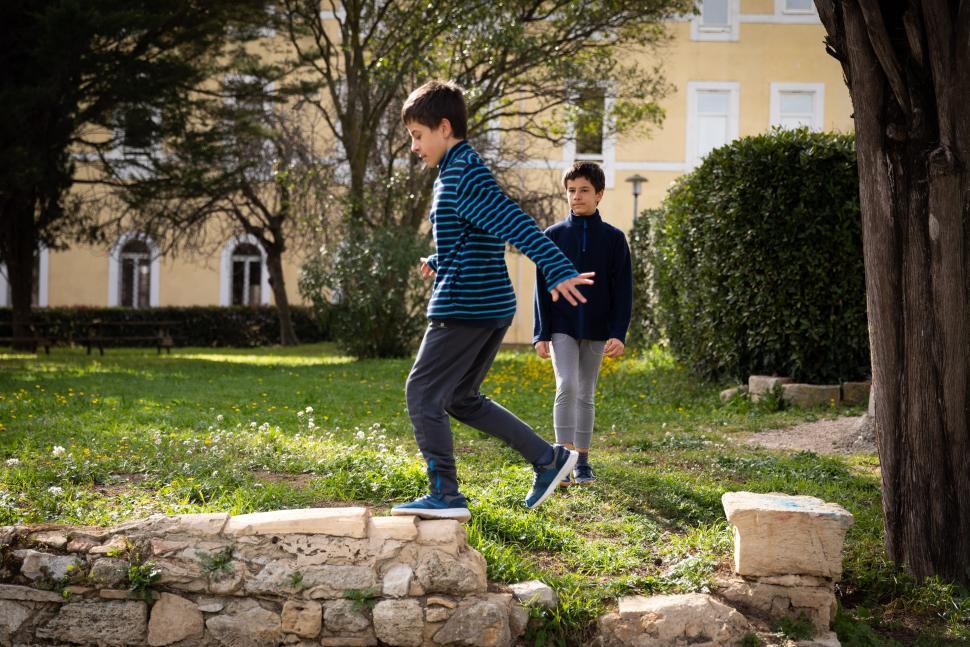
x=849, y=435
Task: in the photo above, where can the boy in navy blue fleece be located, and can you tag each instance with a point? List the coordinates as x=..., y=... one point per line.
x=471, y=305
x=578, y=338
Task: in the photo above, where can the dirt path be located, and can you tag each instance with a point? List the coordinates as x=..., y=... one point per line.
x=838, y=436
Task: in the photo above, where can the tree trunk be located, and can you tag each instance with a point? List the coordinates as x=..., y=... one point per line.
x=903, y=71
x=274, y=264
x=19, y=240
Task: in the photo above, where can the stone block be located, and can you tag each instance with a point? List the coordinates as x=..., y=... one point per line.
x=202, y=524
x=108, y=572
x=399, y=623
x=366, y=640
x=444, y=533
x=779, y=534
x=400, y=528
x=333, y=581
x=765, y=384
x=694, y=619
x=339, y=522
x=228, y=581
x=116, y=545
x=344, y=617
x=12, y=615
x=812, y=395
x=440, y=572
x=856, y=392
x=173, y=618
x=815, y=603
x=323, y=549
x=253, y=626
x=302, y=617
x=37, y=565
x=478, y=622
x=51, y=538
x=98, y=623
x=535, y=593
x=397, y=581
x=27, y=594
x=727, y=394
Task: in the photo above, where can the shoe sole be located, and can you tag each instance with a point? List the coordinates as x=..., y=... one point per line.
x=458, y=514
x=566, y=483
x=584, y=481
x=567, y=468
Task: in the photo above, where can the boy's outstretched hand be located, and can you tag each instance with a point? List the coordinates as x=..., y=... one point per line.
x=542, y=349
x=614, y=347
x=569, y=290
x=426, y=271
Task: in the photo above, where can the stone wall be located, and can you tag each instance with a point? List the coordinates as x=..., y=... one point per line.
x=294, y=577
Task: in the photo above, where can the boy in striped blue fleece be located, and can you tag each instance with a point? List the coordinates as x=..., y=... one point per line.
x=471, y=306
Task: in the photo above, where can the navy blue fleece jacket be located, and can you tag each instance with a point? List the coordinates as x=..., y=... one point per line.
x=593, y=246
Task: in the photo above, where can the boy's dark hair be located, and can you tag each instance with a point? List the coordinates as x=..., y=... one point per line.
x=589, y=170
x=434, y=101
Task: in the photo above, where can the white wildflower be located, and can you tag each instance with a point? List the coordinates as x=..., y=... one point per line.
x=360, y=435
x=55, y=490
x=13, y=462
x=220, y=418
x=309, y=409
x=58, y=450
x=299, y=414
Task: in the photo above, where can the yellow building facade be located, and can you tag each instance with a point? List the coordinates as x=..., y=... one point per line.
x=737, y=68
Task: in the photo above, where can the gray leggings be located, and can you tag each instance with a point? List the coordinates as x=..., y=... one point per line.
x=577, y=365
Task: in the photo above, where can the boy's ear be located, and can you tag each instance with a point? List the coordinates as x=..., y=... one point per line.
x=445, y=126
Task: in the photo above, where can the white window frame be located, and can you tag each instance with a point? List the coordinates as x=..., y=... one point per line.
x=114, y=269
x=731, y=32
x=783, y=16
x=818, y=101
x=606, y=160
x=225, y=270
x=781, y=8
x=693, y=87
x=42, y=280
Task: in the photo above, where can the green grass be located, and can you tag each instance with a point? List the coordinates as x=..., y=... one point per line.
x=229, y=430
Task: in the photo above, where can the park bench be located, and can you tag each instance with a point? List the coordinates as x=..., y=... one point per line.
x=36, y=338
x=155, y=332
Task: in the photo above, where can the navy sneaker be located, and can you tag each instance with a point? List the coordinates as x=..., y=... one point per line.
x=566, y=482
x=435, y=507
x=584, y=474
x=547, y=478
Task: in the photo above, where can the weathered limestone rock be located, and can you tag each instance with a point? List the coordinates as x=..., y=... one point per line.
x=164, y=547
x=437, y=614
x=187, y=576
x=778, y=534
x=399, y=622
x=812, y=395
x=761, y=385
x=117, y=544
x=102, y=623
x=12, y=615
x=333, y=581
x=662, y=620
x=401, y=528
x=51, y=538
x=27, y=594
x=38, y=565
x=518, y=620
x=230, y=581
x=80, y=544
x=479, y=622
x=108, y=572
x=210, y=605
x=816, y=603
x=311, y=550
x=534, y=593
x=339, y=522
x=302, y=617
x=366, y=640
x=202, y=524
x=827, y=639
x=439, y=572
x=727, y=394
x=856, y=392
x=248, y=626
x=174, y=618
x=445, y=534
x=397, y=581
x=343, y=616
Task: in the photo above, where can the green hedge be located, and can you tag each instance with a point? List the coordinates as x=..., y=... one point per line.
x=758, y=261
x=194, y=326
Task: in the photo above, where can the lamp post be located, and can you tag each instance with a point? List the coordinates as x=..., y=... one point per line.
x=636, y=180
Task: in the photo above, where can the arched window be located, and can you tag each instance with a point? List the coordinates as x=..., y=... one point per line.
x=247, y=273
x=243, y=280
x=133, y=272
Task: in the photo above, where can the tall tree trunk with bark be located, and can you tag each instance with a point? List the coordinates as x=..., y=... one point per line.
x=274, y=265
x=19, y=239
x=906, y=65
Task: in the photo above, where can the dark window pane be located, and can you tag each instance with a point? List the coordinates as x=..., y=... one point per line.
x=589, y=125
x=255, y=283
x=135, y=246
x=238, y=282
x=144, y=282
x=127, y=282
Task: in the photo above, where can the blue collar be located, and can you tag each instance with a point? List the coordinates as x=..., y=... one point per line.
x=593, y=217
x=452, y=153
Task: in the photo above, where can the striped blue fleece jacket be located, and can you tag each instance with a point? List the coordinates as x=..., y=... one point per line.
x=471, y=220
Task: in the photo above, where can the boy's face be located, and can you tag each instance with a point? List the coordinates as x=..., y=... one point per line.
x=582, y=196
x=430, y=144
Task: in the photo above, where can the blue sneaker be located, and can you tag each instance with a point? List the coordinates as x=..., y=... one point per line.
x=584, y=474
x=547, y=479
x=435, y=507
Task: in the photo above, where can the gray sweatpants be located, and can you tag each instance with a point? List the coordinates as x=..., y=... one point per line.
x=449, y=370
x=576, y=363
